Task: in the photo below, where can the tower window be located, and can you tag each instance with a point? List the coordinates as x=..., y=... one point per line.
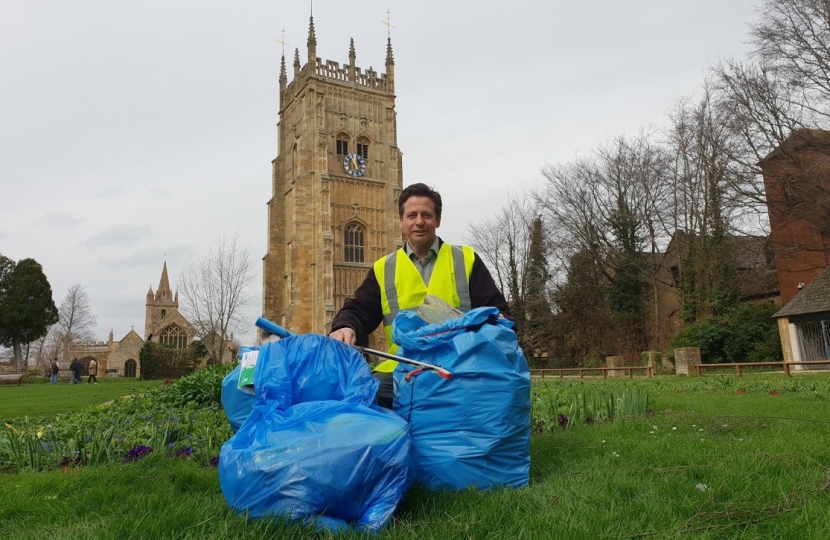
x=363, y=148
x=353, y=243
x=342, y=145
x=173, y=336
x=788, y=192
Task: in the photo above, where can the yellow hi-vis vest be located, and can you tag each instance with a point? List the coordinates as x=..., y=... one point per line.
x=402, y=287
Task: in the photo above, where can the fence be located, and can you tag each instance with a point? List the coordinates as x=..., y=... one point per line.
x=561, y=371
x=740, y=365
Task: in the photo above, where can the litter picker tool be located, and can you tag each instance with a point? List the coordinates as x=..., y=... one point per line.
x=278, y=330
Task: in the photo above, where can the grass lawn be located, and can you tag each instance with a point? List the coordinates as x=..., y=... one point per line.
x=43, y=399
x=719, y=458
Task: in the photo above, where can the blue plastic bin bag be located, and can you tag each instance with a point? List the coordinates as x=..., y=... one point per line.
x=472, y=430
x=314, y=448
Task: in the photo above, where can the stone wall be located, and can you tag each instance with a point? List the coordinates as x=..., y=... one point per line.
x=685, y=360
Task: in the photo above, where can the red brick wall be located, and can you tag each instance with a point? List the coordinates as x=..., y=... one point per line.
x=798, y=193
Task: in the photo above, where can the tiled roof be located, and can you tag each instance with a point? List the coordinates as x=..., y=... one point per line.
x=814, y=298
x=801, y=138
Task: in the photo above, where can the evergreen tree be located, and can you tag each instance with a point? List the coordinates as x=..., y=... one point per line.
x=517, y=306
x=584, y=322
x=26, y=306
x=536, y=325
x=628, y=286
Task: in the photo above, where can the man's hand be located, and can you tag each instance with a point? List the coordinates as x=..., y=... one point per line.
x=346, y=335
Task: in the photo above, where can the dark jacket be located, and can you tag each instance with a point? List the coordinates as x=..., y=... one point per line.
x=364, y=313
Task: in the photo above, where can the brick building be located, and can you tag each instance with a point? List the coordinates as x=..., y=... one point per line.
x=797, y=184
x=804, y=323
x=755, y=280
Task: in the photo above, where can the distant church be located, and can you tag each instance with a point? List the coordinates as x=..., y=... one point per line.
x=335, y=185
x=163, y=323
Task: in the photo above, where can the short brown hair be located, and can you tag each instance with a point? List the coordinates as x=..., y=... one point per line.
x=420, y=190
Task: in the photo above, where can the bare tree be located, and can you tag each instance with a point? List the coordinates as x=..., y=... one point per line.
x=215, y=289
x=778, y=104
x=44, y=349
x=783, y=88
x=76, y=320
x=503, y=240
x=610, y=207
x=792, y=37
x=709, y=200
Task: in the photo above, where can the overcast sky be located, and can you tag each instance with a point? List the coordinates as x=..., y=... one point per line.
x=134, y=129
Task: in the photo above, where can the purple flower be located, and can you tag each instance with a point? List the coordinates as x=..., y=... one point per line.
x=184, y=451
x=69, y=462
x=563, y=421
x=589, y=420
x=214, y=461
x=137, y=453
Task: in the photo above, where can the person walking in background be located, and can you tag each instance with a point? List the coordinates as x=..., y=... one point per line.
x=77, y=370
x=93, y=371
x=53, y=369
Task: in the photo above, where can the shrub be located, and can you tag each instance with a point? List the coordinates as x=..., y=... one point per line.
x=747, y=333
x=163, y=361
x=201, y=388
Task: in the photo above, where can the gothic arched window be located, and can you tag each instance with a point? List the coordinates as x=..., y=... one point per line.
x=174, y=336
x=342, y=145
x=353, y=243
x=363, y=148
x=163, y=313
x=129, y=368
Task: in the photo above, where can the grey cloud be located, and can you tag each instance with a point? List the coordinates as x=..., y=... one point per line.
x=60, y=220
x=152, y=258
x=109, y=192
x=118, y=235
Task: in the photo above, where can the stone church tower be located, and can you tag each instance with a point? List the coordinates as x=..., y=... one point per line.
x=335, y=181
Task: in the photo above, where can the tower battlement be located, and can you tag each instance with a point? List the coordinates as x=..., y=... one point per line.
x=347, y=75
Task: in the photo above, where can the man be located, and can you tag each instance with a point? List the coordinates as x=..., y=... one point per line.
x=79, y=371
x=425, y=265
x=53, y=369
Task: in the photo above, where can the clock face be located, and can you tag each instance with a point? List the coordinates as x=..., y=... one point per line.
x=354, y=165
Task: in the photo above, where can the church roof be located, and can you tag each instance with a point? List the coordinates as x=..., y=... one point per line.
x=132, y=335
x=814, y=298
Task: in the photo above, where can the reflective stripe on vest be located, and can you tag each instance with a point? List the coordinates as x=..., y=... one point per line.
x=402, y=287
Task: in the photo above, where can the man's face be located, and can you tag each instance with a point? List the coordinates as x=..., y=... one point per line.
x=419, y=222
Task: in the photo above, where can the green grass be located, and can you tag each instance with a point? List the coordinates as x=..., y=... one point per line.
x=719, y=458
x=41, y=400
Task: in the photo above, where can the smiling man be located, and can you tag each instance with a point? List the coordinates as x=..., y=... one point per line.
x=401, y=280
